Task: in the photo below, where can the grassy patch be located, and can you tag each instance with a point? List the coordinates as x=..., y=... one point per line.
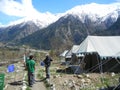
x=28, y=88
x=40, y=74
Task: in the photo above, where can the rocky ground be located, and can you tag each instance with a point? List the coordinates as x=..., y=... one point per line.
x=85, y=81
x=18, y=80
x=59, y=80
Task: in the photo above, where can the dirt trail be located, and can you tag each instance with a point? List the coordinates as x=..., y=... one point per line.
x=13, y=80
x=39, y=86
x=16, y=81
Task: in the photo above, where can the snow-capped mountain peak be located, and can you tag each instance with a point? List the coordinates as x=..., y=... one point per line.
x=40, y=19
x=93, y=10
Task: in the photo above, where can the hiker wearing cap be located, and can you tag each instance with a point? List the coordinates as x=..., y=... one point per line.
x=47, y=62
x=31, y=70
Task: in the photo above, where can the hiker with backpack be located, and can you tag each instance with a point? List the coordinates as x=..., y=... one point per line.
x=47, y=62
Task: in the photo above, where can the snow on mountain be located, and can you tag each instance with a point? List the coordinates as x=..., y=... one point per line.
x=92, y=11
x=40, y=19
x=114, y=15
x=95, y=11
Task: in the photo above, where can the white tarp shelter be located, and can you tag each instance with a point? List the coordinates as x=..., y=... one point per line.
x=105, y=46
x=74, y=50
x=64, y=53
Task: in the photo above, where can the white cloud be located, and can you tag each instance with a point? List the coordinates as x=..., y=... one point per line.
x=26, y=10
x=14, y=8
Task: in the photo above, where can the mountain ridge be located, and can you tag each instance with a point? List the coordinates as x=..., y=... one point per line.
x=64, y=33
x=94, y=10
x=68, y=29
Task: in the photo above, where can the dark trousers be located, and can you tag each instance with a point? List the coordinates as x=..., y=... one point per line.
x=47, y=71
x=31, y=78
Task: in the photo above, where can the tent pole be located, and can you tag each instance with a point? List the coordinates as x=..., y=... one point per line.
x=100, y=63
x=101, y=71
x=79, y=64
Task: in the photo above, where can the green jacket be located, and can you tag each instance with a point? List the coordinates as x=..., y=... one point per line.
x=30, y=65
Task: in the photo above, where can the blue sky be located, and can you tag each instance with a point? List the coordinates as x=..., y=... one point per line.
x=58, y=6
x=11, y=10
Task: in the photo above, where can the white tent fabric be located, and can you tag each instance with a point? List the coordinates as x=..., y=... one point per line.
x=105, y=46
x=64, y=53
x=74, y=49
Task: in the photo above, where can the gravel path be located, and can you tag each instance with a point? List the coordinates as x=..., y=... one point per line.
x=16, y=82
x=39, y=86
x=13, y=81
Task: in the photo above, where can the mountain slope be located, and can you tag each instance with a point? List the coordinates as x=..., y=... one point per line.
x=116, y=25
x=66, y=32
x=113, y=30
x=63, y=33
x=15, y=33
x=71, y=28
